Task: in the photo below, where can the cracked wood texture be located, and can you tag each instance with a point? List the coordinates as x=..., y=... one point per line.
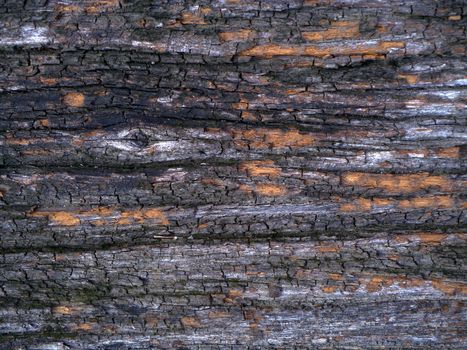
x=224, y=174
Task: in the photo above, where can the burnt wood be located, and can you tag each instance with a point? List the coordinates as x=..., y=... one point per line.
x=233, y=174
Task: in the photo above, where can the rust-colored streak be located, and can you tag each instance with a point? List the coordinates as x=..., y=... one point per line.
x=329, y=289
x=156, y=214
x=218, y=314
x=270, y=190
x=260, y=168
x=313, y=3
x=335, y=276
x=102, y=216
x=44, y=123
x=190, y=322
x=48, y=81
x=398, y=183
x=235, y=293
x=328, y=248
x=83, y=327
x=59, y=217
x=213, y=182
x=195, y=17
x=367, y=48
x=427, y=202
x=449, y=287
x=62, y=8
x=249, y=116
x=74, y=99
x=271, y=50
x=240, y=35
x=378, y=282
x=89, y=7
x=366, y=205
x=66, y=310
x=432, y=238
x=242, y=105
x=101, y=5
x=245, y=188
x=338, y=30
x=272, y=138
x=361, y=204
x=449, y=152
x=409, y=78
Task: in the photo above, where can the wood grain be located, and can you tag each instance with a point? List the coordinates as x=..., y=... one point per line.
x=224, y=174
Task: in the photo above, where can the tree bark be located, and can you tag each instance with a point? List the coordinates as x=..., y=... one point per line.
x=232, y=174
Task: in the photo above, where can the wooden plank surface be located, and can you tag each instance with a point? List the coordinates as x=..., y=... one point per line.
x=232, y=174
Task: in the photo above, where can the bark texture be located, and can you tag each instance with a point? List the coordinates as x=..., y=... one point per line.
x=232, y=174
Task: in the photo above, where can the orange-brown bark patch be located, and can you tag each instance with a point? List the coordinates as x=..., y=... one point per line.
x=101, y=5
x=432, y=238
x=235, y=293
x=450, y=287
x=64, y=218
x=203, y=225
x=139, y=216
x=260, y=168
x=44, y=123
x=22, y=142
x=338, y=30
x=409, y=78
x=242, y=105
x=271, y=50
x=397, y=183
x=60, y=217
x=313, y=3
x=62, y=8
x=66, y=310
x=83, y=326
x=379, y=282
x=272, y=138
x=192, y=322
x=382, y=202
x=270, y=190
x=212, y=182
x=102, y=215
x=48, y=81
x=329, y=289
x=450, y=152
x=328, y=248
x=154, y=213
x=74, y=99
x=240, y=35
x=335, y=276
x=401, y=239
x=249, y=116
x=361, y=204
x=427, y=202
x=192, y=18
x=219, y=314
x=245, y=188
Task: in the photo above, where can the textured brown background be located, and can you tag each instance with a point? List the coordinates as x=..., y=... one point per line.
x=232, y=174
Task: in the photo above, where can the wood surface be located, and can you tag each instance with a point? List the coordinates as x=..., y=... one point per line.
x=231, y=174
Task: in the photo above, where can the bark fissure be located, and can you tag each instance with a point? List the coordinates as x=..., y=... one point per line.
x=224, y=174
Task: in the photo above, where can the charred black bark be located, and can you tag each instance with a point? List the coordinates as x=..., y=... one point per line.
x=232, y=174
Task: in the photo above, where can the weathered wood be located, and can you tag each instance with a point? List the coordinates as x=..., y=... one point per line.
x=232, y=174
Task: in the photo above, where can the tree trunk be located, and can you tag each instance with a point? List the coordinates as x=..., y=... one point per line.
x=232, y=174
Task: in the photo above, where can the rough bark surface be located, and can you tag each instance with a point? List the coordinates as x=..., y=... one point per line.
x=232, y=174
